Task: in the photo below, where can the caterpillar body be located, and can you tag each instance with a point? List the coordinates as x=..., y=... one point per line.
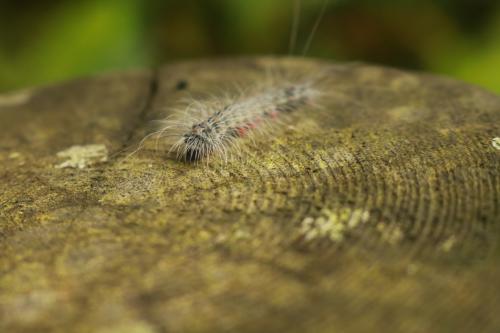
x=215, y=128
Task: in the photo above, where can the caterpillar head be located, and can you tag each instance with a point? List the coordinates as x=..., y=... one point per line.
x=201, y=141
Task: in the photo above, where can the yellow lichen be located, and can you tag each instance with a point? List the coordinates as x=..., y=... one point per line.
x=82, y=157
x=390, y=234
x=333, y=224
x=449, y=243
x=495, y=142
x=14, y=155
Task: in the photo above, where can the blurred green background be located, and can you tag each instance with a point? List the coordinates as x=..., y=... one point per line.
x=48, y=41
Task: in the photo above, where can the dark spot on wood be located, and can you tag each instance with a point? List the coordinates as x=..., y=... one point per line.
x=181, y=85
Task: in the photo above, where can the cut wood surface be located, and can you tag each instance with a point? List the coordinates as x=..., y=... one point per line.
x=378, y=212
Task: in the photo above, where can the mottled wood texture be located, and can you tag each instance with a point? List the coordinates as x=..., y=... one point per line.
x=378, y=212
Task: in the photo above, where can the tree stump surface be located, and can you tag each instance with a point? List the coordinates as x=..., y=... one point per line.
x=377, y=212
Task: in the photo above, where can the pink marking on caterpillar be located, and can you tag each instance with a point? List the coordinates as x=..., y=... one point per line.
x=217, y=127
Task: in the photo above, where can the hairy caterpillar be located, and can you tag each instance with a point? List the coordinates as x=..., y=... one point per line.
x=215, y=128
x=207, y=128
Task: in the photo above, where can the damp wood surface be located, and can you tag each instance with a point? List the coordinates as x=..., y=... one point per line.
x=378, y=212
